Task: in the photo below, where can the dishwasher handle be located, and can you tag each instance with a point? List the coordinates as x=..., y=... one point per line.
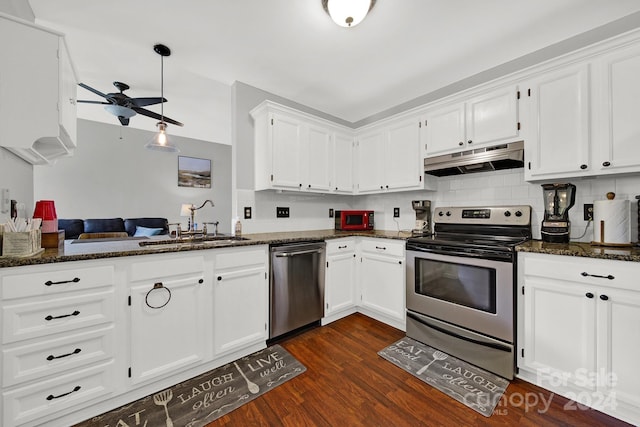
x=290, y=254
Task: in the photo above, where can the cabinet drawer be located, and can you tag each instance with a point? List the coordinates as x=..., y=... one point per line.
x=47, y=397
x=240, y=257
x=617, y=274
x=340, y=246
x=32, y=320
x=163, y=267
x=383, y=247
x=29, y=362
x=43, y=280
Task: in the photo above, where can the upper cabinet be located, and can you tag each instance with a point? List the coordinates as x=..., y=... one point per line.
x=481, y=120
x=37, y=93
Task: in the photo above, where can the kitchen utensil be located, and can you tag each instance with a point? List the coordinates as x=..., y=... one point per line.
x=253, y=387
x=162, y=399
x=437, y=355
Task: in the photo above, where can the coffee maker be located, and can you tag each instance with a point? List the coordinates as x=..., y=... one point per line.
x=423, y=217
x=558, y=199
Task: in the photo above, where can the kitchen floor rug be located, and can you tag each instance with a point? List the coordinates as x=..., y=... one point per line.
x=474, y=387
x=200, y=400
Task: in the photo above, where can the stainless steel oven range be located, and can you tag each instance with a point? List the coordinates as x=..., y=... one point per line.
x=461, y=281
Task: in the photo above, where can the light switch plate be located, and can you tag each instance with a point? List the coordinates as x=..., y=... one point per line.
x=5, y=200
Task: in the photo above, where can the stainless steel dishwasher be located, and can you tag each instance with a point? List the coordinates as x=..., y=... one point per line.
x=296, y=294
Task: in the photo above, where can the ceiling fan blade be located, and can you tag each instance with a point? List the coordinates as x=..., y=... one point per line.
x=155, y=116
x=141, y=102
x=96, y=91
x=124, y=120
x=92, y=102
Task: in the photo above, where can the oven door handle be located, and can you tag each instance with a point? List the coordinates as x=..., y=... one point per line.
x=462, y=337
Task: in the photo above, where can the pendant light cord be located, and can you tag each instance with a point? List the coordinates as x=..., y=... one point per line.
x=162, y=88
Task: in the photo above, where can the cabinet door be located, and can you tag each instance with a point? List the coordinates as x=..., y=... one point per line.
x=286, y=134
x=444, y=130
x=370, y=162
x=382, y=285
x=240, y=308
x=402, y=160
x=559, y=330
x=557, y=138
x=318, y=155
x=618, y=149
x=492, y=118
x=340, y=278
x=168, y=326
x=619, y=344
x=343, y=163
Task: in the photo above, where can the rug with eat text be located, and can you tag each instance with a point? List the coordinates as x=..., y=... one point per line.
x=474, y=387
x=200, y=400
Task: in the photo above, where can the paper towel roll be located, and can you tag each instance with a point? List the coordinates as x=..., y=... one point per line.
x=612, y=216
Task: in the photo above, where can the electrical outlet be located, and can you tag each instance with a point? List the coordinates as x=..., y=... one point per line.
x=396, y=212
x=282, y=212
x=330, y=212
x=588, y=211
x=247, y=212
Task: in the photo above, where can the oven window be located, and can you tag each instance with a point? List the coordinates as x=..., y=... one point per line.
x=354, y=219
x=461, y=284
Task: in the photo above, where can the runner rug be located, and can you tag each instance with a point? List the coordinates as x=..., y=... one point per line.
x=200, y=400
x=474, y=387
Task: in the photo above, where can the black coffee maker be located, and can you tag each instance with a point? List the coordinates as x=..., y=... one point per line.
x=558, y=199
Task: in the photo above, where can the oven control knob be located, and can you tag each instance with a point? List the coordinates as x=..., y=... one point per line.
x=518, y=214
x=440, y=213
x=448, y=213
x=507, y=214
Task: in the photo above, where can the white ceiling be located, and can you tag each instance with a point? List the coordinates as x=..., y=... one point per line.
x=404, y=49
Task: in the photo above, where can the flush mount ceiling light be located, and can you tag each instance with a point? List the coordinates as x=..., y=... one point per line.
x=160, y=141
x=348, y=13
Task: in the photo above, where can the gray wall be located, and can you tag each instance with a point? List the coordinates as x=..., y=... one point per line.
x=112, y=175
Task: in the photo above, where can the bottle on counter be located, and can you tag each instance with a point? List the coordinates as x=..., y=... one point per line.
x=237, y=227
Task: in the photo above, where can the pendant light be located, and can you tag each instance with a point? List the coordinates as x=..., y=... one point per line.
x=160, y=141
x=348, y=13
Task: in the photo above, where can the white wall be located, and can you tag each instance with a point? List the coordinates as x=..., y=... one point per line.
x=112, y=175
x=17, y=176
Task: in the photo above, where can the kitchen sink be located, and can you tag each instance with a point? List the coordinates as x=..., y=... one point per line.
x=217, y=240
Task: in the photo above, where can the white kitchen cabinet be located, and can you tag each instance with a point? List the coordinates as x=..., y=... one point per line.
x=42, y=131
x=319, y=156
x=403, y=163
x=486, y=119
x=343, y=163
x=557, y=130
x=340, y=279
x=171, y=316
x=370, y=161
x=575, y=319
x=286, y=152
x=382, y=281
x=240, y=298
x=617, y=128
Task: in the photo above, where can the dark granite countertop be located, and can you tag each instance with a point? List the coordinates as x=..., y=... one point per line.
x=582, y=249
x=108, y=248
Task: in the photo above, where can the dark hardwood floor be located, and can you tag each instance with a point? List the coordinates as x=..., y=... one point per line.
x=348, y=384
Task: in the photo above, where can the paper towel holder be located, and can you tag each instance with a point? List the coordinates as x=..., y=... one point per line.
x=601, y=224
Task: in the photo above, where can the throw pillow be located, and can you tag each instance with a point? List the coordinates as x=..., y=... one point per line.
x=146, y=231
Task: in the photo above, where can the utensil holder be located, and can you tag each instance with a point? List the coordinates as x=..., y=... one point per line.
x=21, y=244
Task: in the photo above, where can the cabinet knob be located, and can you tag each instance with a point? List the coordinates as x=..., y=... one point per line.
x=219, y=278
x=387, y=186
x=469, y=142
x=336, y=188
x=604, y=297
x=583, y=166
x=309, y=186
x=300, y=185
x=382, y=187
x=606, y=164
x=460, y=143
x=589, y=295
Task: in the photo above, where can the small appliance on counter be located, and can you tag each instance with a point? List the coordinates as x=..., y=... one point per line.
x=558, y=199
x=611, y=219
x=354, y=220
x=423, y=217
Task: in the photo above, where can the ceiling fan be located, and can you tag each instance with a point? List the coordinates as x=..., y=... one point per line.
x=124, y=107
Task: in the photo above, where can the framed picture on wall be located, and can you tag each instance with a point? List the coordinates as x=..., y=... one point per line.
x=194, y=172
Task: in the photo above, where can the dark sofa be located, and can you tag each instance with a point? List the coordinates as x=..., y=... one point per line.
x=75, y=227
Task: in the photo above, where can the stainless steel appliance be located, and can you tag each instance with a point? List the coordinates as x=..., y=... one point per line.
x=423, y=217
x=558, y=199
x=354, y=220
x=461, y=281
x=296, y=286
x=504, y=156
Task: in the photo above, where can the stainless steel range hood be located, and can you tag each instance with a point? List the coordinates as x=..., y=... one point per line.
x=506, y=156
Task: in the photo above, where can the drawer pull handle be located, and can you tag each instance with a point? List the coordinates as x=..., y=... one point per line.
x=51, y=396
x=50, y=317
x=342, y=247
x=52, y=357
x=157, y=286
x=381, y=247
x=585, y=274
x=74, y=280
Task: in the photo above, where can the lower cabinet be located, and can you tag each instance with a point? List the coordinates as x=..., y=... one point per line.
x=578, y=318
x=340, y=279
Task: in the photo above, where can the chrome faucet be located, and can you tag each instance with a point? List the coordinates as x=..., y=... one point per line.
x=193, y=210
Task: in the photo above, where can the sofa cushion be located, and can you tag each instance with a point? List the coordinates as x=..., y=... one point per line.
x=130, y=224
x=72, y=227
x=103, y=225
x=146, y=232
